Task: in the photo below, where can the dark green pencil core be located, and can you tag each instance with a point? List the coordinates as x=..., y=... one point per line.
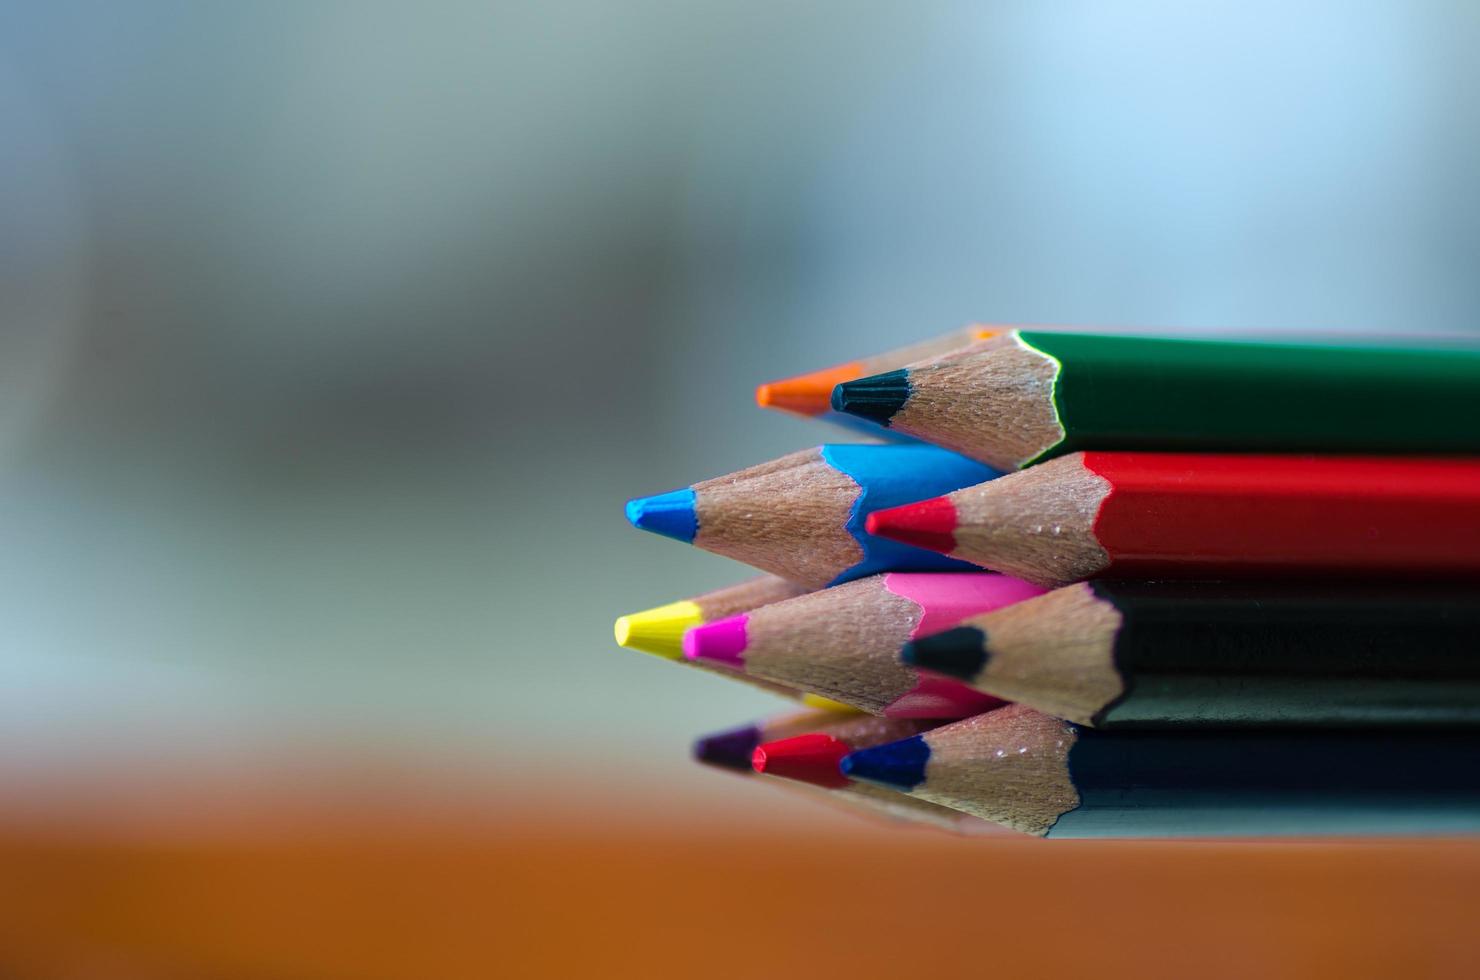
x=875, y=398
x=958, y=652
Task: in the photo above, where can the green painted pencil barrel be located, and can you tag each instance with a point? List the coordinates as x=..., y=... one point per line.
x=1206, y=395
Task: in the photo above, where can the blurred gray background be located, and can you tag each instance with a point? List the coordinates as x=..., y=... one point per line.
x=333, y=336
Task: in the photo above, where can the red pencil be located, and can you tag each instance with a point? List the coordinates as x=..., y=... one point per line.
x=813, y=757
x=1187, y=515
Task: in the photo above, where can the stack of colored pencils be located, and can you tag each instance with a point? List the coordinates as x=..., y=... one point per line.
x=1108, y=585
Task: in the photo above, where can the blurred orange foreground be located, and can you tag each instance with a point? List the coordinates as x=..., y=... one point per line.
x=264, y=884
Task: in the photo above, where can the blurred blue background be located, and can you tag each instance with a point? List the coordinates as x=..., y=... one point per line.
x=333, y=336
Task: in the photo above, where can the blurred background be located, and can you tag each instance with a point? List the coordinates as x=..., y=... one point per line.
x=333, y=336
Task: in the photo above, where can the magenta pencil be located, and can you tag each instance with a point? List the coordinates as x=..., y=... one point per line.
x=843, y=642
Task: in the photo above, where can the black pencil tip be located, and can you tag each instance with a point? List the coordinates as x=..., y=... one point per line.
x=959, y=652
x=875, y=398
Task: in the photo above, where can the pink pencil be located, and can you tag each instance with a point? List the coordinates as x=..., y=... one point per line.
x=843, y=642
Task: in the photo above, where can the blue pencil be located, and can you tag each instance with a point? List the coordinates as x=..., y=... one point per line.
x=802, y=516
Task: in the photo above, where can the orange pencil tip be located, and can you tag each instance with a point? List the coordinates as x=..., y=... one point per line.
x=806, y=394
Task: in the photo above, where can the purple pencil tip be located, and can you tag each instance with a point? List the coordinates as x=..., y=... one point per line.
x=729, y=750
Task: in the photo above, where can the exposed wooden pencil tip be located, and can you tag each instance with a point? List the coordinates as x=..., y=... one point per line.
x=929, y=524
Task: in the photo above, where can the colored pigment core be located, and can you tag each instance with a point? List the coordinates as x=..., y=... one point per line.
x=828, y=704
x=957, y=652
x=811, y=758
x=658, y=631
x=806, y=394
x=898, y=765
x=729, y=750
x=669, y=514
x=722, y=641
x=928, y=524
x=875, y=398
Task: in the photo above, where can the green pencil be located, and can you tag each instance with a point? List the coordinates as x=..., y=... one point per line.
x=1027, y=395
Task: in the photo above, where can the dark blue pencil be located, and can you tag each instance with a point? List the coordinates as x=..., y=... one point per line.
x=1044, y=776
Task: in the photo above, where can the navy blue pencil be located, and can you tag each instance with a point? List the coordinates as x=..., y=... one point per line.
x=1048, y=777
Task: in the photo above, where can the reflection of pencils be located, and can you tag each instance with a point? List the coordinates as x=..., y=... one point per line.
x=733, y=747
x=811, y=394
x=843, y=642
x=1037, y=774
x=802, y=516
x=1136, y=654
x=733, y=750
x=813, y=756
x=1184, y=515
x=660, y=630
x=1025, y=395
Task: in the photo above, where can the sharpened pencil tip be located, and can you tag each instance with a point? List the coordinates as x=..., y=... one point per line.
x=828, y=704
x=658, y=631
x=722, y=641
x=811, y=758
x=670, y=514
x=929, y=524
x=875, y=398
x=806, y=394
x=898, y=765
x=957, y=652
x=728, y=750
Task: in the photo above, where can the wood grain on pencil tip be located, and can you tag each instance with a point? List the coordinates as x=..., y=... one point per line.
x=1122, y=654
x=660, y=630
x=803, y=516
x=1045, y=776
x=810, y=394
x=843, y=642
x=1028, y=394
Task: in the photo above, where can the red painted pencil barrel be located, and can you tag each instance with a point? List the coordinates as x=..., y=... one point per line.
x=1340, y=515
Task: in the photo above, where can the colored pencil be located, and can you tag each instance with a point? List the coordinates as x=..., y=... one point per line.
x=660, y=630
x=843, y=642
x=1134, y=654
x=1035, y=773
x=811, y=394
x=1184, y=515
x=813, y=756
x=802, y=516
x=733, y=750
x=1026, y=395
